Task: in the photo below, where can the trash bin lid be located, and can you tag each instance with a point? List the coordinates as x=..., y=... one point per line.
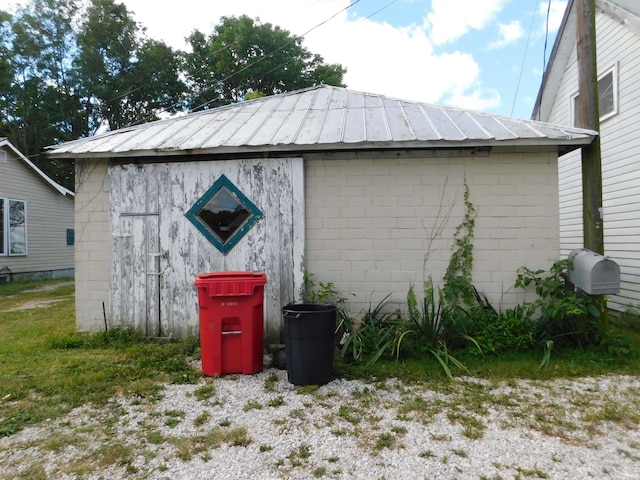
x=233, y=275
x=230, y=283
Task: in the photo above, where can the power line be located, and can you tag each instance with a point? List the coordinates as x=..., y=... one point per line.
x=268, y=55
x=262, y=58
x=524, y=57
x=546, y=38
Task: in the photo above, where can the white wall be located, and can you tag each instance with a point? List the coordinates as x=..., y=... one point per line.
x=92, y=244
x=372, y=223
x=620, y=146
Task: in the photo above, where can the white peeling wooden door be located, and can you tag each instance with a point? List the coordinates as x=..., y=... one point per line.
x=139, y=279
x=135, y=254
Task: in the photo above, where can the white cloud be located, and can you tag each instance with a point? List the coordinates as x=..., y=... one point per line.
x=509, y=33
x=398, y=62
x=478, y=99
x=556, y=12
x=381, y=59
x=451, y=19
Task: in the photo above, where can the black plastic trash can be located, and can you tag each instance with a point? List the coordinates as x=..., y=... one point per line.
x=309, y=342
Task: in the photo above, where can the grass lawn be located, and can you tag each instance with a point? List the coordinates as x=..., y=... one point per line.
x=47, y=369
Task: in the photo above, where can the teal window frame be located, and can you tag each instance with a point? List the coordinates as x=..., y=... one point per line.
x=254, y=215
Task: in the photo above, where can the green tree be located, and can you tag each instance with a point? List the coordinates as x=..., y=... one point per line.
x=70, y=68
x=125, y=78
x=243, y=56
x=39, y=105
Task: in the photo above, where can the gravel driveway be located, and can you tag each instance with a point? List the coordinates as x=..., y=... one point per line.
x=260, y=426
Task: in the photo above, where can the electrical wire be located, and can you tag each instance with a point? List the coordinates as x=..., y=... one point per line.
x=379, y=10
x=524, y=57
x=544, y=61
x=270, y=54
x=546, y=38
x=361, y=20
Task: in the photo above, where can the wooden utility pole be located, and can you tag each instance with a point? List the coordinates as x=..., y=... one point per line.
x=592, y=215
x=589, y=109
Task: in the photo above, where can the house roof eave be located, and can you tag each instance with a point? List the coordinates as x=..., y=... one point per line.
x=62, y=190
x=564, y=146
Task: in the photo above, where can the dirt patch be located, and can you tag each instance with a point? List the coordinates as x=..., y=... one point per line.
x=37, y=304
x=41, y=303
x=48, y=288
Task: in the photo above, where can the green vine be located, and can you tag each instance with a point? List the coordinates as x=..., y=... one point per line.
x=458, y=288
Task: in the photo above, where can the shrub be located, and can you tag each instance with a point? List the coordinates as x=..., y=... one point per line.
x=567, y=318
x=512, y=330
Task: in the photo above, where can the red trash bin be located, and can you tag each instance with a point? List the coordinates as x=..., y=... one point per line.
x=231, y=321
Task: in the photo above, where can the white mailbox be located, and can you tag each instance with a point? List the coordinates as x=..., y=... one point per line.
x=594, y=274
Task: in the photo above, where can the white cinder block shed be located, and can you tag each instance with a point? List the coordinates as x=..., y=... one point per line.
x=357, y=189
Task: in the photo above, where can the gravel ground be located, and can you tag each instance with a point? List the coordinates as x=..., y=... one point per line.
x=261, y=426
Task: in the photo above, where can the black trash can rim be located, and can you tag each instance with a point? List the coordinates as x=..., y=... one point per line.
x=308, y=307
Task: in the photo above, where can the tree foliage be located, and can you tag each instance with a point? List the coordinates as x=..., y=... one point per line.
x=71, y=68
x=244, y=57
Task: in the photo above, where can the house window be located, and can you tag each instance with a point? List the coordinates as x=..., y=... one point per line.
x=13, y=227
x=224, y=214
x=607, y=97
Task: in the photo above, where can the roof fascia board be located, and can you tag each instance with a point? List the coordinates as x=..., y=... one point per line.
x=30, y=164
x=562, y=48
x=561, y=145
x=620, y=14
x=560, y=54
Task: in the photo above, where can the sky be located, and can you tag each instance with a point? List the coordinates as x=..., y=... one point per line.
x=486, y=55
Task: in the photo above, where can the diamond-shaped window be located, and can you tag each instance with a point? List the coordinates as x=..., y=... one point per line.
x=224, y=214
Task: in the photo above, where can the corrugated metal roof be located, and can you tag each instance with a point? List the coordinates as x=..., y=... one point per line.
x=320, y=119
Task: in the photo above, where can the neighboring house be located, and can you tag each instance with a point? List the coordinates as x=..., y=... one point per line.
x=618, y=66
x=357, y=189
x=36, y=221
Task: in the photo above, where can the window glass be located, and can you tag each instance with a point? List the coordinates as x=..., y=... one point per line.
x=605, y=95
x=17, y=228
x=223, y=214
x=607, y=98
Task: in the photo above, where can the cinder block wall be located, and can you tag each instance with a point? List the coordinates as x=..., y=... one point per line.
x=375, y=226
x=92, y=244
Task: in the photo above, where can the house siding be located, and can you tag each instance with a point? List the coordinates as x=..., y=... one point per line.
x=377, y=225
x=619, y=45
x=92, y=244
x=49, y=215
